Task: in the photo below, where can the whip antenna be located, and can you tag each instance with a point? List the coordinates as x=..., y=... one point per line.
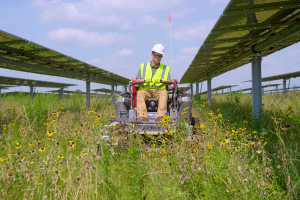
x=171, y=41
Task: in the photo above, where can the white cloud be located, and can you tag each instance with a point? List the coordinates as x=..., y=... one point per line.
x=150, y=20
x=189, y=51
x=88, y=39
x=192, y=32
x=125, y=52
x=178, y=14
x=119, y=63
x=215, y=2
x=104, y=13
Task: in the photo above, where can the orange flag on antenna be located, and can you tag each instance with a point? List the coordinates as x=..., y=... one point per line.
x=169, y=15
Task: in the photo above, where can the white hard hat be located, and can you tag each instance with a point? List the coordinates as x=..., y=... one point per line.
x=159, y=48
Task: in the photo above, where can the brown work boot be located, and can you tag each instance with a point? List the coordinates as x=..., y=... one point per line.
x=143, y=119
x=158, y=119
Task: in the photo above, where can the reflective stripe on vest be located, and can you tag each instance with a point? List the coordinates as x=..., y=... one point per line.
x=161, y=73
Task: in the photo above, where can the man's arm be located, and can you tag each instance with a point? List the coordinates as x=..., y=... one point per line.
x=138, y=76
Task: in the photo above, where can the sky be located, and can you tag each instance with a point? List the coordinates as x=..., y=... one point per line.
x=118, y=35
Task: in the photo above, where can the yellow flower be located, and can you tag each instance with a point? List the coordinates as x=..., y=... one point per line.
x=183, y=113
x=71, y=146
x=50, y=138
x=170, y=133
x=209, y=144
x=90, y=111
x=217, y=176
x=60, y=156
x=42, y=149
x=18, y=146
x=39, y=183
x=61, y=108
x=186, y=108
x=202, y=126
x=30, y=143
x=270, y=159
x=72, y=141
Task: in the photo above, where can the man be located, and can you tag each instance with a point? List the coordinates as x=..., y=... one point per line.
x=152, y=72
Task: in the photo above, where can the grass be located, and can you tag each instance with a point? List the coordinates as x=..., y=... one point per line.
x=52, y=149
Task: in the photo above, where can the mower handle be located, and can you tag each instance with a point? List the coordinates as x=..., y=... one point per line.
x=141, y=82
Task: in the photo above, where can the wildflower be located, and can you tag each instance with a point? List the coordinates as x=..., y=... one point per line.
x=71, y=146
x=209, y=144
x=202, y=126
x=217, y=176
x=254, y=132
x=186, y=108
x=42, y=149
x=169, y=132
x=183, y=113
x=71, y=142
x=270, y=159
x=57, y=143
x=60, y=156
x=61, y=108
x=98, y=117
x=90, y=111
x=50, y=138
x=143, y=155
x=55, y=113
x=49, y=133
x=39, y=183
x=18, y=146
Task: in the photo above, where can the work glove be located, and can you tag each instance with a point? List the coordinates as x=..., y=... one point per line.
x=148, y=81
x=157, y=81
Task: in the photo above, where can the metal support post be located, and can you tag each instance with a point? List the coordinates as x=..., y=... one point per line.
x=230, y=89
x=96, y=94
x=197, y=90
x=0, y=94
x=31, y=92
x=125, y=88
x=222, y=91
x=277, y=91
x=209, y=89
x=88, y=93
x=192, y=92
x=256, y=87
x=112, y=94
x=61, y=93
x=284, y=88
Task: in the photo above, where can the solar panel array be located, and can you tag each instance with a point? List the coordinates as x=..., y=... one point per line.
x=20, y=54
x=245, y=28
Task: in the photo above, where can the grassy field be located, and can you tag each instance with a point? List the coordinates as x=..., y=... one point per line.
x=52, y=149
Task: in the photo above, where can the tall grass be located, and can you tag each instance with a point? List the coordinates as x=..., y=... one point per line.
x=51, y=148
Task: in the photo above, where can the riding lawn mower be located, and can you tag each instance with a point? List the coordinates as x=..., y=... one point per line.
x=179, y=110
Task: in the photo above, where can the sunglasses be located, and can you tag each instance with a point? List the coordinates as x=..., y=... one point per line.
x=157, y=56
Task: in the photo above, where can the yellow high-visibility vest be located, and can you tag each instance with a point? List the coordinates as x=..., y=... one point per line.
x=146, y=74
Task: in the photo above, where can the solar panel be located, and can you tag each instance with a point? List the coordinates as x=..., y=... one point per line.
x=22, y=55
x=244, y=29
x=35, y=83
